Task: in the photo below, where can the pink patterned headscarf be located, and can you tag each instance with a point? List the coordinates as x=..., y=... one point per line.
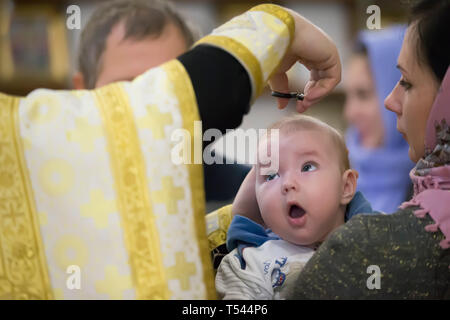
x=431, y=176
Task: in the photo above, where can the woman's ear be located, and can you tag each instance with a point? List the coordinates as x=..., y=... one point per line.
x=78, y=81
x=349, y=179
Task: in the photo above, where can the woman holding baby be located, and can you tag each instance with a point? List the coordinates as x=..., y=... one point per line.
x=409, y=248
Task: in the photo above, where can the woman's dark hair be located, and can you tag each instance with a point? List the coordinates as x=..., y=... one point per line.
x=431, y=18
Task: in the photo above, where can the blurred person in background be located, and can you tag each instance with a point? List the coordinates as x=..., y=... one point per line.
x=377, y=150
x=125, y=38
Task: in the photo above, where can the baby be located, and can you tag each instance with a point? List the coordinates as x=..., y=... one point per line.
x=301, y=203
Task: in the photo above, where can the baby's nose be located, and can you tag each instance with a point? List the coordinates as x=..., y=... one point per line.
x=289, y=185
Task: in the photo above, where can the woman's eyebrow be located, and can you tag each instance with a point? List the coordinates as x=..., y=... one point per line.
x=401, y=68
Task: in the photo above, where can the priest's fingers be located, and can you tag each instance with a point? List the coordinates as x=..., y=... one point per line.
x=320, y=85
x=279, y=83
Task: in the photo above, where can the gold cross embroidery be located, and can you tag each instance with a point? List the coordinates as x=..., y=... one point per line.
x=99, y=208
x=114, y=284
x=155, y=121
x=85, y=134
x=169, y=195
x=182, y=270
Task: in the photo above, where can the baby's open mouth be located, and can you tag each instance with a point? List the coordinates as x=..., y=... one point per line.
x=296, y=211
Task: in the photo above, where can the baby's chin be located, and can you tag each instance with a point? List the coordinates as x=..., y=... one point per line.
x=302, y=241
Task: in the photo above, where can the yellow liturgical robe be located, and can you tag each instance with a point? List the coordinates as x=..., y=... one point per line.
x=91, y=204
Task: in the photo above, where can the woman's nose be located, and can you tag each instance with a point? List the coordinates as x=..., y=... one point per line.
x=393, y=101
x=350, y=111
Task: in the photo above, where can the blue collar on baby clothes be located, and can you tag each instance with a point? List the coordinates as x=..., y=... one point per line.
x=359, y=204
x=244, y=232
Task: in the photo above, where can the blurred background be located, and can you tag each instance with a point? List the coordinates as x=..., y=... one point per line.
x=38, y=49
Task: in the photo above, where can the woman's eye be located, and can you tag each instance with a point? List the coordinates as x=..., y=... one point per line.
x=308, y=167
x=406, y=85
x=272, y=176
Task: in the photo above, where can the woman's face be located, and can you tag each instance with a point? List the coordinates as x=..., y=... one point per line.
x=413, y=96
x=362, y=107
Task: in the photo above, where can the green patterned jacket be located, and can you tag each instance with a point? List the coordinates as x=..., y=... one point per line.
x=411, y=263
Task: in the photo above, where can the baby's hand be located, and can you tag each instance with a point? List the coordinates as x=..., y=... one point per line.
x=245, y=203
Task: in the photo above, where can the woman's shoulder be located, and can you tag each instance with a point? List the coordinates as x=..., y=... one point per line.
x=401, y=226
x=376, y=219
x=397, y=245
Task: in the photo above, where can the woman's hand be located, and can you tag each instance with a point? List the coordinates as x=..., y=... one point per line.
x=317, y=52
x=245, y=203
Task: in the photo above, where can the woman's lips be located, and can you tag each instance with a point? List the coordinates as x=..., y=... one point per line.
x=401, y=132
x=403, y=135
x=297, y=216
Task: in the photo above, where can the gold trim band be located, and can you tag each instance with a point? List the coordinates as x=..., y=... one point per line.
x=136, y=211
x=189, y=112
x=222, y=217
x=23, y=266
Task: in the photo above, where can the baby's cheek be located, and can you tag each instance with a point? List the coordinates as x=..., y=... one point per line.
x=265, y=207
x=269, y=209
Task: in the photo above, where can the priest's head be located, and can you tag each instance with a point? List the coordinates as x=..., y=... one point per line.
x=124, y=38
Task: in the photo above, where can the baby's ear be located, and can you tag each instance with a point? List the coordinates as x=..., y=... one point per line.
x=349, y=178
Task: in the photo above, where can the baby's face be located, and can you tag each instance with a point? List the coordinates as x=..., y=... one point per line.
x=300, y=202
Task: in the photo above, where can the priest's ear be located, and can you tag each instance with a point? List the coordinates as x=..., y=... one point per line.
x=349, y=179
x=78, y=81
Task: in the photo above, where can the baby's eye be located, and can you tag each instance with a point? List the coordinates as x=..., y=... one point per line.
x=271, y=176
x=309, y=167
